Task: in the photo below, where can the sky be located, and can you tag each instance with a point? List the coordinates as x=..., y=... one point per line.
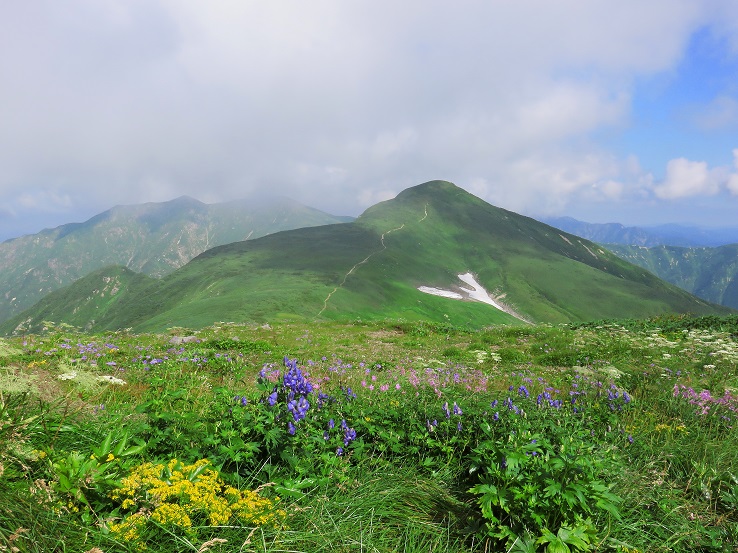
x=603, y=110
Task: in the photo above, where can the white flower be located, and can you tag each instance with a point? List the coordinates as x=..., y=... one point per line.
x=111, y=380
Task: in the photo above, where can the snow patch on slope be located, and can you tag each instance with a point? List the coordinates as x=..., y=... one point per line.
x=477, y=292
x=442, y=293
x=474, y=292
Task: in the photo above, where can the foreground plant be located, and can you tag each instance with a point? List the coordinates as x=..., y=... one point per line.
x=184, y=500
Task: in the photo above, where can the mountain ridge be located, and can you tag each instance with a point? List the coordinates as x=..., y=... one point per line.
x=152, y=238
x=373, y=268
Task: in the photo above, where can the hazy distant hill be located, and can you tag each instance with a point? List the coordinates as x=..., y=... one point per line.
x=373, y=268
x=666, y=235
x=152, y=238
x=710, y=273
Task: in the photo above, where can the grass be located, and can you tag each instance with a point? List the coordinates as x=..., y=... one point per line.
x=632, y=449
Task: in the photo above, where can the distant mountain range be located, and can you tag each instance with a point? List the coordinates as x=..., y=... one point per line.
x=710, y=273
x=662, y=235
x=151, y=238
x=701, y=261
x=434, y=253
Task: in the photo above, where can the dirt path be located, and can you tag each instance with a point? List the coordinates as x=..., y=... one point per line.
x=351, y=270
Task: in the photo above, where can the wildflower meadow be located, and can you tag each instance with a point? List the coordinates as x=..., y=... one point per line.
x=384, y=436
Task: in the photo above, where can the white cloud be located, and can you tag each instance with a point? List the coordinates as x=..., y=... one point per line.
x=732, y=184
x=44, y=200
x=369, y=197
x=336, y=104
x=687, y=178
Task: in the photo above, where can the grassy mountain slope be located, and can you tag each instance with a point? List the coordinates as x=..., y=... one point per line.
x=372, y=268
x=153, y=238
x=710, y=273
x=83, y=303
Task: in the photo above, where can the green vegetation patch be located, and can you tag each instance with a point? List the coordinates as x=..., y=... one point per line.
x=375, y=435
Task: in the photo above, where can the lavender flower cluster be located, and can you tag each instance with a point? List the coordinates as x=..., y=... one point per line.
x=296, y=387
x=349, y=434
x=705, y=401
x=293, y=389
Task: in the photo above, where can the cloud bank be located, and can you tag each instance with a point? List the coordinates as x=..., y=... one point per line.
x=340, y=105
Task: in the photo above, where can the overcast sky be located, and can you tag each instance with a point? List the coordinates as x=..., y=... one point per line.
x=604, y=110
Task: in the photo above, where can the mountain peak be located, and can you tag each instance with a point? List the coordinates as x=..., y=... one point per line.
x=431, y=187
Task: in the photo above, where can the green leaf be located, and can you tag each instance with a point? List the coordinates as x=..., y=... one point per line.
x=133, y=450
x=523, y=544
x=552, y=489
x=576, y=536
x=104, y=448
x=557, y=546
x=64, y=484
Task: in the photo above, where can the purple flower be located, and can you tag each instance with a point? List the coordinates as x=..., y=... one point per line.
x=349, y=436
x=457, y=410
x=298, y=408
x=294, y=380
x=291, y=428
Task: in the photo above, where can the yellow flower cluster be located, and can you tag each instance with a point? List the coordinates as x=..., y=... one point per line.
x=173, y=494
x=129, y=530
x=677, y=427
x=171, y=513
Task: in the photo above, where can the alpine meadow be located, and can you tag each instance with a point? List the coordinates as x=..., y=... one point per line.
x=437, y=375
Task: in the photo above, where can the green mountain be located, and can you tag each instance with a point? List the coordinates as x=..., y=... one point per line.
x=710, y=273
x=152, y=238
x=374, y=267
